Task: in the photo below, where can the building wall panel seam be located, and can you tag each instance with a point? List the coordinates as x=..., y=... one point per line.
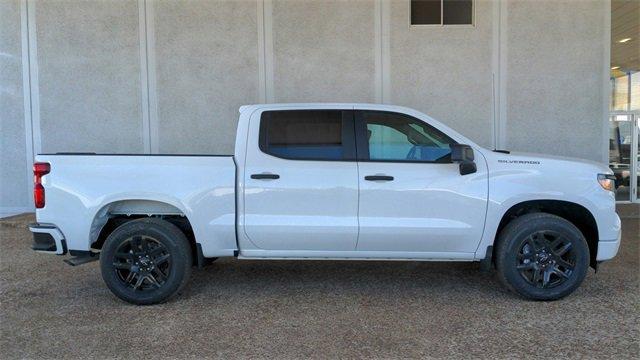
x=26, y=91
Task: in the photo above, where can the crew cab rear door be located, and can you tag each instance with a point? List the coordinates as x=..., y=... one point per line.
x=301, y=180
x=412, y=197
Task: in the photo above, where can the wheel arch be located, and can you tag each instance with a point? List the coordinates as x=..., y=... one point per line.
x=118, y=212
x=575, y=213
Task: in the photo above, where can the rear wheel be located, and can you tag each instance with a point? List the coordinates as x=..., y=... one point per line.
x=542, y=256
x=146, y=261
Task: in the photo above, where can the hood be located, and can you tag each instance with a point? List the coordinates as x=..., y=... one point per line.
x=522, y=158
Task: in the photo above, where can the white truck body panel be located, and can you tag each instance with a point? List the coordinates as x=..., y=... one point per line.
x=312, y=207
x=426, y=208
x=322, y=209
x=82, y=189
x=519, y=177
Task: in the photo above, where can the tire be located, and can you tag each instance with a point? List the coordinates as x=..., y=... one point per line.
x=534, y=245
x=146, y=261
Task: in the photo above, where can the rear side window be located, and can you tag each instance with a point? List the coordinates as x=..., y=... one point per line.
x=307, y=134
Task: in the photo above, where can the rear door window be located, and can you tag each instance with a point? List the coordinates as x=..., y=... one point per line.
x=308, y=134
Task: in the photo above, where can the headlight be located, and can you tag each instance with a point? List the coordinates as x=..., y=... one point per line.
x=607, y=181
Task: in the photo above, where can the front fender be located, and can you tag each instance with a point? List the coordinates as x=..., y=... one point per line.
x=530, y=178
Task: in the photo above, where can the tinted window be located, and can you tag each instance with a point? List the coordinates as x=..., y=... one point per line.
x=303, y=134
x=457, y=12
x=397, y=137
x=441, y=12
x=426, y=12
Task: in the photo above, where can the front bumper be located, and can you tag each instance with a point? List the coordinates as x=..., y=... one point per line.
x=608, y=248
x=48, y=239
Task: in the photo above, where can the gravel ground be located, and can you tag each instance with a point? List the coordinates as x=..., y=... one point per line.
x=286, y=309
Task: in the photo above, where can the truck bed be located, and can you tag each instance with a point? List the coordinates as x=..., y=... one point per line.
x=82, y=189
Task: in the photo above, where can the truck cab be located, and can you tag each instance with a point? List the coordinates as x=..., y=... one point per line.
x=355, y=182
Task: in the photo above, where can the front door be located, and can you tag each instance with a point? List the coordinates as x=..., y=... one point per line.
x=301, y=181
x=412, y=197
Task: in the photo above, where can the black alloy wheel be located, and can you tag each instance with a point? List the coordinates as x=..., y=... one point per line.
x=142, y=263
x=546, y=259
x=146, y=261
x=541, y=256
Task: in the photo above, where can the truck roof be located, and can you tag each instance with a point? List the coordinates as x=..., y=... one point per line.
x=248, y=109
x=253, y=107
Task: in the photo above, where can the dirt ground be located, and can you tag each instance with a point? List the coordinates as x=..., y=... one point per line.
x=316, y=309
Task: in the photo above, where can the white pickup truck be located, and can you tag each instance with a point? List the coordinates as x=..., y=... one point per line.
x=328, y=181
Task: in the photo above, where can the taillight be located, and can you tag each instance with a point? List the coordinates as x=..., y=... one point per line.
x=40, y=169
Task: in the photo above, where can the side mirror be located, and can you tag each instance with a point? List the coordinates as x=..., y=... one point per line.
x=463, y=154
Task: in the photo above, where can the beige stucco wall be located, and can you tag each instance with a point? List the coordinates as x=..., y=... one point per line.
x=208, y=57
x=445, y=72
x=323, y=51
x=13, y=167
x=89, y=76
x=207, y=66
x=554, y=71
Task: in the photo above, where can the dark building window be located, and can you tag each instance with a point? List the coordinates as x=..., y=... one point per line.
x=441, y=12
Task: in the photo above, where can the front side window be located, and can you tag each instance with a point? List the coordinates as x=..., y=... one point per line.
x=307, y=134
x=398, y=137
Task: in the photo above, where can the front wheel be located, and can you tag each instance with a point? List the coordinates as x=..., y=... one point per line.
x=146, y=261
x=542, y=256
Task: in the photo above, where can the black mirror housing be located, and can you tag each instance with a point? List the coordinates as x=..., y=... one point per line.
x=461, y=153
x=467, y=167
